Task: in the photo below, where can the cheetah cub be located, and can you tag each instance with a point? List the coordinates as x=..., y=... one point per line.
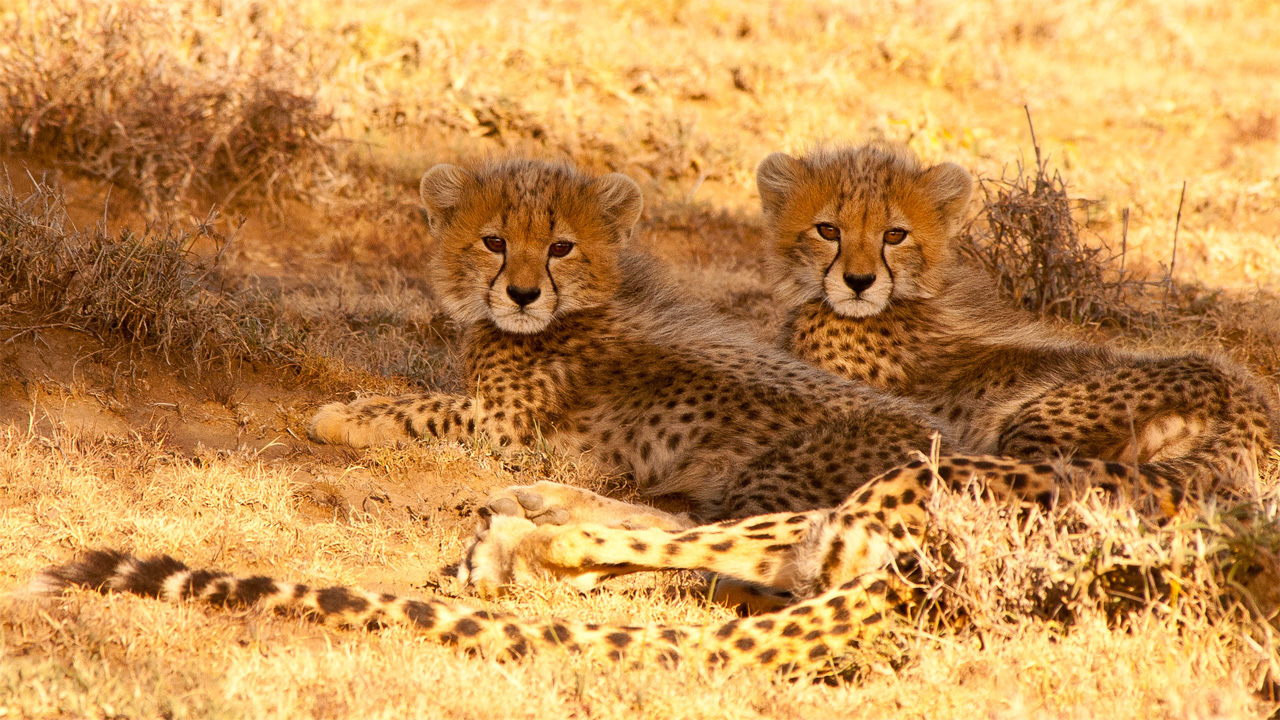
x=866, y=240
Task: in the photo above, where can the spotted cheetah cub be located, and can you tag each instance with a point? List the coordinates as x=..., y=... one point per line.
x=866, y=240
x=574, y=340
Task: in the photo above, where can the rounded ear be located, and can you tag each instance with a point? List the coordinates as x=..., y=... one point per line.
x=777, y=177
x=620, y=200
x=441, y=190
x=949, y=186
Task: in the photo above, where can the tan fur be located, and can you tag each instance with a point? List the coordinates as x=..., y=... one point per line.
x=934, y=330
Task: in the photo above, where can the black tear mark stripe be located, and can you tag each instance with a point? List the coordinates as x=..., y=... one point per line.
x=554, y=287
x=834, y=260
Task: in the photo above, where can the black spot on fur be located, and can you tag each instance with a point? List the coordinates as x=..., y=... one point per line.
x=339, y=599
x=727, y=629
x=251, y=590
x=618, y=639
x=420, y=614
x=556, y=634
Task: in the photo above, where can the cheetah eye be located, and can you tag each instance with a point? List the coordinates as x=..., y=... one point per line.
x=494, y=243
x=895, y=236
x=828, y=231
x=560, y=248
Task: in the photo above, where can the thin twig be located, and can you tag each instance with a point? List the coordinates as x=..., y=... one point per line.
x=1173, y=257
x=1034, y=143
x=1124, y=240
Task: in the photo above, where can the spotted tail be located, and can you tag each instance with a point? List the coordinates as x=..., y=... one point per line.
x=809, y=636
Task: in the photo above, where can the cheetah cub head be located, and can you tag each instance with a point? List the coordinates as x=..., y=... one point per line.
x=862, y=227
x=521, y=243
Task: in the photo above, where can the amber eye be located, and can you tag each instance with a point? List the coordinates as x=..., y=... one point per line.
x=560, y=248
x=495, y=243
x=828, y=231
x=895, y=236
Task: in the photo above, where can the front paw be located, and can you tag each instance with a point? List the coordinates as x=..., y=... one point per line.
x=492, y=561
x=513, y=551
x=543, y=503
x=367, y=422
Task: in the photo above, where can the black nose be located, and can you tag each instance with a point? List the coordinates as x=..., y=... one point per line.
x=858, y=283
x=523, y=296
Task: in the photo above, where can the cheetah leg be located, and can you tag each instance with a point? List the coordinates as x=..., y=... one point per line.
x=1183, y=418
x=551, y=503
x=755, y=550
x=802, y=553
x=376, y=421
x=812, y=636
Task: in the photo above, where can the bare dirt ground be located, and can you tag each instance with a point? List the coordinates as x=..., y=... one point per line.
x=314, y=121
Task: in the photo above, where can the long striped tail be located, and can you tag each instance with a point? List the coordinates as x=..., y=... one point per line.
x=811, y=636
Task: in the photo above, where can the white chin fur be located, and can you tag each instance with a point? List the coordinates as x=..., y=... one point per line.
x=525, y=322
x=855, y=308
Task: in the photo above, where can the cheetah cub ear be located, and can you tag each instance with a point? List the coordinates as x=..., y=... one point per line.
x=620, y=201
x=441, y=191
x=778, y=177
x=949, y=186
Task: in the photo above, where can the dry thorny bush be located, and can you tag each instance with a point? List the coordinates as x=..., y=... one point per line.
x=142, y=288
x=137, y=94
x=1029, y=236
x=992, y=569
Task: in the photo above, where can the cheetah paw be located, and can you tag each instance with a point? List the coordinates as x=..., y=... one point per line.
x=364, y=423
x=490, y=563
x=513, y=551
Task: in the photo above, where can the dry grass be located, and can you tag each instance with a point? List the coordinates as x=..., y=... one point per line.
x=165, y=100
x=146, y=289
x=317, y=119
